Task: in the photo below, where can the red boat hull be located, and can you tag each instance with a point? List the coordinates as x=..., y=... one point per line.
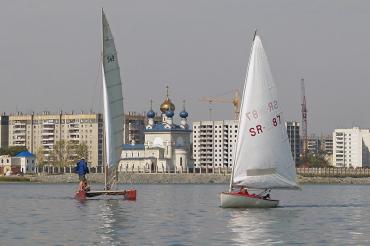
x=130, y=195
x=80, y=195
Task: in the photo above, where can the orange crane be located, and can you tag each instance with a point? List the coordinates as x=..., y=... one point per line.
x=235, y=101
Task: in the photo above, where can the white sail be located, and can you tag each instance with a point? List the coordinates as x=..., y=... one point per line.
x=263, y=158
x=113, y=103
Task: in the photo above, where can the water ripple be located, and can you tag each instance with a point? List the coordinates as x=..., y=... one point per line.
x=36, y=214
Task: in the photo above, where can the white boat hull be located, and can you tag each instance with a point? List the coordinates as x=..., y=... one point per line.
x=235, y=200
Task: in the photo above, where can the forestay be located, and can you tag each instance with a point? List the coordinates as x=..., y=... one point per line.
x=113, y=103
x=263, y=157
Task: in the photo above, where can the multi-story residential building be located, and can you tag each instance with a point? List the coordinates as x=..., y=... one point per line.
x=4, y=130
x=351, y=147
x=327, y=145
x=214, y=142
x=42, y=132
x=313, y=144
x=294, y=139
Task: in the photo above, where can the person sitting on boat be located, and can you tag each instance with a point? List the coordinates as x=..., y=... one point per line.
x=82, y=170
x=267, y=196
x=243, y=190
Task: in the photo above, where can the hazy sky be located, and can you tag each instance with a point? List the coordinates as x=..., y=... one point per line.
x=50, y=50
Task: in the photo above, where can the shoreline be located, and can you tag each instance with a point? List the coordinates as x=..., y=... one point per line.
x=178, y=178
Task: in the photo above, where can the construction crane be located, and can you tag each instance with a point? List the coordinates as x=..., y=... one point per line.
x=235, y=101
x=304, y=123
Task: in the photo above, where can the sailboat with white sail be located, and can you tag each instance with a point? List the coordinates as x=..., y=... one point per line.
x=113, y=117
x=263, y=159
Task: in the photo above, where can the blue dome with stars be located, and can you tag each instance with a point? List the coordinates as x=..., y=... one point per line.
x=170, y=113
x=184, y=114
x=150, y=114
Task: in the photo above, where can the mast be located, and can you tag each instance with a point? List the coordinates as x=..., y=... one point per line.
x=105, y=161
x=240, y=115
x=105, y=165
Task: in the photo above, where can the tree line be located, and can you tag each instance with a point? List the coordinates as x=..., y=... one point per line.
x=64, y=153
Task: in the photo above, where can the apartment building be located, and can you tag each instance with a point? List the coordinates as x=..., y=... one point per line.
x=351, y=147
x=41, y=132
x=294, y=139
x=313, y=144
x=4, y=130
x=214, y=142
x=327, y=145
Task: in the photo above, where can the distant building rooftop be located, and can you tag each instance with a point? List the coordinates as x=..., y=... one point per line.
x=25, y=154
x=133, y=146
x=160, y=128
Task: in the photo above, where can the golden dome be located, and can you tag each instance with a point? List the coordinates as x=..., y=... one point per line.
x=167, y=105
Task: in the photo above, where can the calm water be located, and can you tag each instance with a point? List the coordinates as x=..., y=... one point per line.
x=38, y=214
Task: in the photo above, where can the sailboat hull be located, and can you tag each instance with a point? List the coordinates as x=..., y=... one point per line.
x=238, y=200
x=129, y=194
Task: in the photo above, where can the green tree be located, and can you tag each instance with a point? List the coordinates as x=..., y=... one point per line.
x=61, y=154
x=81, y=150
x=40, y=158
x=317, y=160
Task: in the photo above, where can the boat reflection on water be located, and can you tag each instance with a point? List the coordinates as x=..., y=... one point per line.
x=261, y=226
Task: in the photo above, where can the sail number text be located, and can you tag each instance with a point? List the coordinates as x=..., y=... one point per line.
x=271, y=106
x=254, y=131
x=110, y=58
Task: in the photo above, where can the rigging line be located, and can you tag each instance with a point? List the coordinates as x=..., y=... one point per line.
x=97, y=84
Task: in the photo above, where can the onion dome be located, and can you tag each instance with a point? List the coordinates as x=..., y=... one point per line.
x=170, y=113
x=150, y=114
x=183, y=114
x=167, y=104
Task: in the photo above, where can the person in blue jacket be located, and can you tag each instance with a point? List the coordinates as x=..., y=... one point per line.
x=82, y=170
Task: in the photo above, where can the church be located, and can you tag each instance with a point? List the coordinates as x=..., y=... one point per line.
x=166, y=146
